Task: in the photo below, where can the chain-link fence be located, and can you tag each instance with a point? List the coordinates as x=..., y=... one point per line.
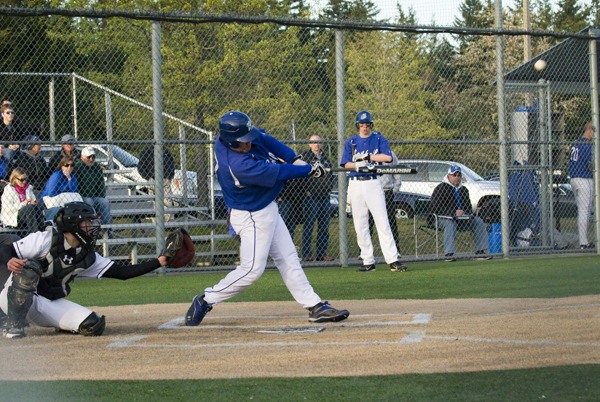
x=432, y=94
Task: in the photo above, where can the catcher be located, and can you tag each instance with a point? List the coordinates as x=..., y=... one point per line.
x=43, y=265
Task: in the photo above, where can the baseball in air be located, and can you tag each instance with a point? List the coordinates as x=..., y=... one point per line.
x=540, y=65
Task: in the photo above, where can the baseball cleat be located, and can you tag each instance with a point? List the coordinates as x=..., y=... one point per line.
x=14, y=333
x=398, y=266
x=366, y=268
x=482, y=256
x=197, y=311
x=449, y=257
x=323, y=312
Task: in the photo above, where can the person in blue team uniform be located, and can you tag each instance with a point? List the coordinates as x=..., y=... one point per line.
x=581, y=172
x=365, y=193
x=252, y=168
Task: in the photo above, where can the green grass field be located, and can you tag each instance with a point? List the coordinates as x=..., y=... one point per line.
x=520, y=278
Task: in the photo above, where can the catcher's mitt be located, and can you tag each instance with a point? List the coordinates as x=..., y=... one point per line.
x=179, y=249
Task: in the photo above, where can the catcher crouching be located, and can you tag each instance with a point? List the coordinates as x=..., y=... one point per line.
x=38, y=270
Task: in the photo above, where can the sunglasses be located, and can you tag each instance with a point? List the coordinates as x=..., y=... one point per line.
x=9, y=112
x=91, y=157
x=456, y=174
x=22, y=179
x=69, y=165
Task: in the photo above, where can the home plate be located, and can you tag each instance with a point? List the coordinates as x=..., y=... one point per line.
x=292, y=330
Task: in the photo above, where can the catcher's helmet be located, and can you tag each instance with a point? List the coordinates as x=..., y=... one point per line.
x=69, y=218
x=364, y=117
x=236, y=127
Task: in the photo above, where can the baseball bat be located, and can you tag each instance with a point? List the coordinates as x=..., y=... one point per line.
x=388, y=169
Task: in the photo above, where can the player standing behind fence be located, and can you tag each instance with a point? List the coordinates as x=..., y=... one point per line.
x=251, y=176
x=366, y=194
x=581, y=170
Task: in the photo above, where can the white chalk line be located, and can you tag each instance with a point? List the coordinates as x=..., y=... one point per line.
x=412, y=338
x=421, y=318
x=535, y=310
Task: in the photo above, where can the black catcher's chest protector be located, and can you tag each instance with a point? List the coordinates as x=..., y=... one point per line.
x=61, y=266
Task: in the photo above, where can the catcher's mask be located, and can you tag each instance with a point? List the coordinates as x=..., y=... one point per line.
x=81, y=220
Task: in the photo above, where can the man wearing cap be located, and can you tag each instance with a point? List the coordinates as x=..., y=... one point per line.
x=32, y=162
x=451, y=203
x=68, y=149
x=91, y=186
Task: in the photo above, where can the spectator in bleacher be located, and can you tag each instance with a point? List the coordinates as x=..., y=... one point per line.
x=90, y=181
x=31, y=160
x=146, y=170
x=63, y=180
x=12, y=131
x=67, y=149
x=3, y=164
x=20, y=208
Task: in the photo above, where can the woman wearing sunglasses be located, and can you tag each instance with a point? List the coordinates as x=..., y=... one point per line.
x=20, y=208
x=62, y=181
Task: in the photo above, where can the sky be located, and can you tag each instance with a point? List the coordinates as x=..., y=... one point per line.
x=442, y=12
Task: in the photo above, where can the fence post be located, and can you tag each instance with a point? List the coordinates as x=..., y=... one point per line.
x=74, y=89
x=503, y=149
x=159, y=198
x=341, y=135
x=596, y=138
x=109, y=128
x=52, y=110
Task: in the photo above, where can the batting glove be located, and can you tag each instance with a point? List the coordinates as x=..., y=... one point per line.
x=361, y=156
x=317, y=170
x=360, y=165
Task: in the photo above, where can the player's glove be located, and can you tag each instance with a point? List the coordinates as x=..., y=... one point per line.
x=298, y=161
x=318, y=170
x=361, y=165
x=361, y=156
x=179, y=249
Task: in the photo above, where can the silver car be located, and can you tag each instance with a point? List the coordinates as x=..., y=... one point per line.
x=484, y=194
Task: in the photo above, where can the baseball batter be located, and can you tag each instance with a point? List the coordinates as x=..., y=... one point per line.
x=251, y=175
x=44, y=264
x=581, y=171
x=366, y=194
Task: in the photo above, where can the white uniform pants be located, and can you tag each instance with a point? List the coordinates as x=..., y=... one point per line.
x=365, y=196
x=263, y=234
x=584, y=198
x=61, y=313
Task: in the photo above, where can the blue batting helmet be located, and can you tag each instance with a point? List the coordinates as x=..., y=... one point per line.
x=236, y=127
x=364, y=117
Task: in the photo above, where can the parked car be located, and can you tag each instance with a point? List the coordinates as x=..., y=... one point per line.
x=484, y=194
x=124, y=165
x=221, y=208
x=405, y=204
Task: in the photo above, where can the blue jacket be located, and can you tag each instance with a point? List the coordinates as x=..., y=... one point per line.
x=58, y=183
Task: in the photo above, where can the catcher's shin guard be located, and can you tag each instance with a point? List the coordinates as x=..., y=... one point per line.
x=20, y=294
x=92, y=325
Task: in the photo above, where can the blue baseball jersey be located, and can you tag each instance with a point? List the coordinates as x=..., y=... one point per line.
x=580, y=160
x=373, y=144
x=252, y=180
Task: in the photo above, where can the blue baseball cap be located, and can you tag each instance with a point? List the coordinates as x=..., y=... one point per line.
x=454, y=169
